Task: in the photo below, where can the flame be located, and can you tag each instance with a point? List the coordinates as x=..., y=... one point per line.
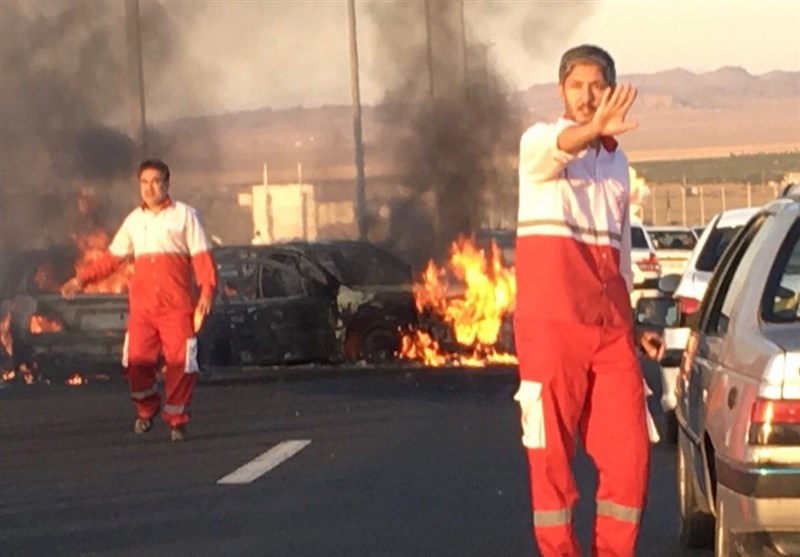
x=6, y=340
x=76, y=379
x=93, y=246
x=27, y=374
x=40, y=324
x=475, y=317
x=8, y=375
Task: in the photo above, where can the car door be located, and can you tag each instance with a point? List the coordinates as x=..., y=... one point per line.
x=294, y=316
x=716, y=312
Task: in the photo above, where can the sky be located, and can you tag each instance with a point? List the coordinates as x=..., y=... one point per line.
x=274, y=53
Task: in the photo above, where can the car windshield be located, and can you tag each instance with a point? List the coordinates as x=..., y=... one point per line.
x=715, y=245
x=638, y=239
x=673, y=239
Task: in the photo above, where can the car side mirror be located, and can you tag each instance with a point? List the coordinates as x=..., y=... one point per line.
x=659, y=312
x=668, y=284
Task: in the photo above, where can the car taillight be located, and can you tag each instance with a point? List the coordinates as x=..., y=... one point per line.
x=775, y=422
x=775, y=411
x=688, y=305
x=649, y=264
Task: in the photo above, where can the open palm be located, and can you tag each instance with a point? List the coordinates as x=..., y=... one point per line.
x=610, y=116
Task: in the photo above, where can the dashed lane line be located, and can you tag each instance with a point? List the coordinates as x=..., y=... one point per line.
x=264, y=463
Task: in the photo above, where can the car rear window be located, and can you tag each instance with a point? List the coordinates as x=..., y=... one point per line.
x=673, y=239
x=782, y=303
x=638, y=239
x=715, y=245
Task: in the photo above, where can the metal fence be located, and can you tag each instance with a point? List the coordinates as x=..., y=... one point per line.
x=679, y=204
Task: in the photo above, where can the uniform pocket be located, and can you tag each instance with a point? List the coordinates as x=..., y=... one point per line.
x=191, y=356
x=529, y=397
x=652, y=430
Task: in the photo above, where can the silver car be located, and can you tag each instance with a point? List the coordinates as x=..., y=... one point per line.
x=738, y=456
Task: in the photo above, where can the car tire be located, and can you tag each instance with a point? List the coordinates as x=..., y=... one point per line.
x=695, y=527
x=671, y=427
x=724, y=539
x=378, y=343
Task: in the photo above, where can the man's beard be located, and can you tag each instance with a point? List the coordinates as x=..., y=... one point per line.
x=583, y=115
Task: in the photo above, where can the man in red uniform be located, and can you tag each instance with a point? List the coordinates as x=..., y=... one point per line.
x=168, y=245
x=573, y=322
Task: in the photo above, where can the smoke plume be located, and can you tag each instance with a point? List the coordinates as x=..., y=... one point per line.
x=449, y=106
x=65, y=108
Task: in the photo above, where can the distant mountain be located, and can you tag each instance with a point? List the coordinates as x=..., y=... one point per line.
x=726, y=87
x=681, y=114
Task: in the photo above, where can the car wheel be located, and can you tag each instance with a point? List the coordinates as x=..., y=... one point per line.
x=696, y=528
x=375, y=344
x=724, y=539
x=671, y=427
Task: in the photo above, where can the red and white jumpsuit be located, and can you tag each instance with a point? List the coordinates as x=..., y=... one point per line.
x=574, y=336
x=167, y=247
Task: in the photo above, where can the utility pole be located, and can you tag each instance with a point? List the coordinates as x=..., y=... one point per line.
x=430, y=45
x=355, y=93
x=136, y=97
x=464, y=49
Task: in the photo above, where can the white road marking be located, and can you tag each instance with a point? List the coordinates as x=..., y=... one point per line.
x=262, y=464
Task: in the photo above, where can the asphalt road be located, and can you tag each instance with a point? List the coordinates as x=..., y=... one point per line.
x=409, y=463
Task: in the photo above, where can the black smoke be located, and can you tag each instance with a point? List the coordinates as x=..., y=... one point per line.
x=457, y=128
x=65, y=108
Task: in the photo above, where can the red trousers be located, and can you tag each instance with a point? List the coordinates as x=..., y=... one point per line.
x=150, y=334
x=587, y=379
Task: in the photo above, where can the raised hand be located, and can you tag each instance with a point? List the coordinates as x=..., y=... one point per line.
x=609, y=118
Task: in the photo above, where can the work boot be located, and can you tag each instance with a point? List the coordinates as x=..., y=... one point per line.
x=142, y=425
x=177, y=434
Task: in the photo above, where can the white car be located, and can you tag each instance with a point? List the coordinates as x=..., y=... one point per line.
x=712, y=243
x=644, y=264
x=674, y=245
x=692, y=287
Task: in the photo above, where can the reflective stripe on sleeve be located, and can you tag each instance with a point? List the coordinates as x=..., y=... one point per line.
x=559, y=517
x=620, y=512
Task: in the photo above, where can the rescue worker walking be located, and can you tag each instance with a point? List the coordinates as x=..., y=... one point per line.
x=168, y=245
x=573, y=323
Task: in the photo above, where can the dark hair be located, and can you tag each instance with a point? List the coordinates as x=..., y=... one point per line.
x=590, y=54
x=155, y=164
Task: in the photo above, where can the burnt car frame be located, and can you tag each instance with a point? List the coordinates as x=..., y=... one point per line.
x=277, y=304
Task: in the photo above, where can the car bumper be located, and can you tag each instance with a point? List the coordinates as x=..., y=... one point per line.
x=759, y=514
x=759, y=498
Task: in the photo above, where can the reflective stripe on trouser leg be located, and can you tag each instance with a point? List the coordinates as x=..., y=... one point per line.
x=560, y=517
x=620, y=512
x=180, y=354
x=139, y=354
x=554, y=355
x=615, y=417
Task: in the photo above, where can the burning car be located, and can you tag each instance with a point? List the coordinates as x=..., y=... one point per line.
x=275, y=305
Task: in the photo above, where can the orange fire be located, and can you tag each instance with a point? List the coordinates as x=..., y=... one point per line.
x=8, y=375
x=40, y=324
x=6, y=340
x=92, y=246
x=76, y=379
x=475, y=317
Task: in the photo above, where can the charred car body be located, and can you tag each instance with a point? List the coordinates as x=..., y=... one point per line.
x=276, y=304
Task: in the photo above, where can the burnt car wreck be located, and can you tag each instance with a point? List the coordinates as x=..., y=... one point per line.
x=275, y=305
